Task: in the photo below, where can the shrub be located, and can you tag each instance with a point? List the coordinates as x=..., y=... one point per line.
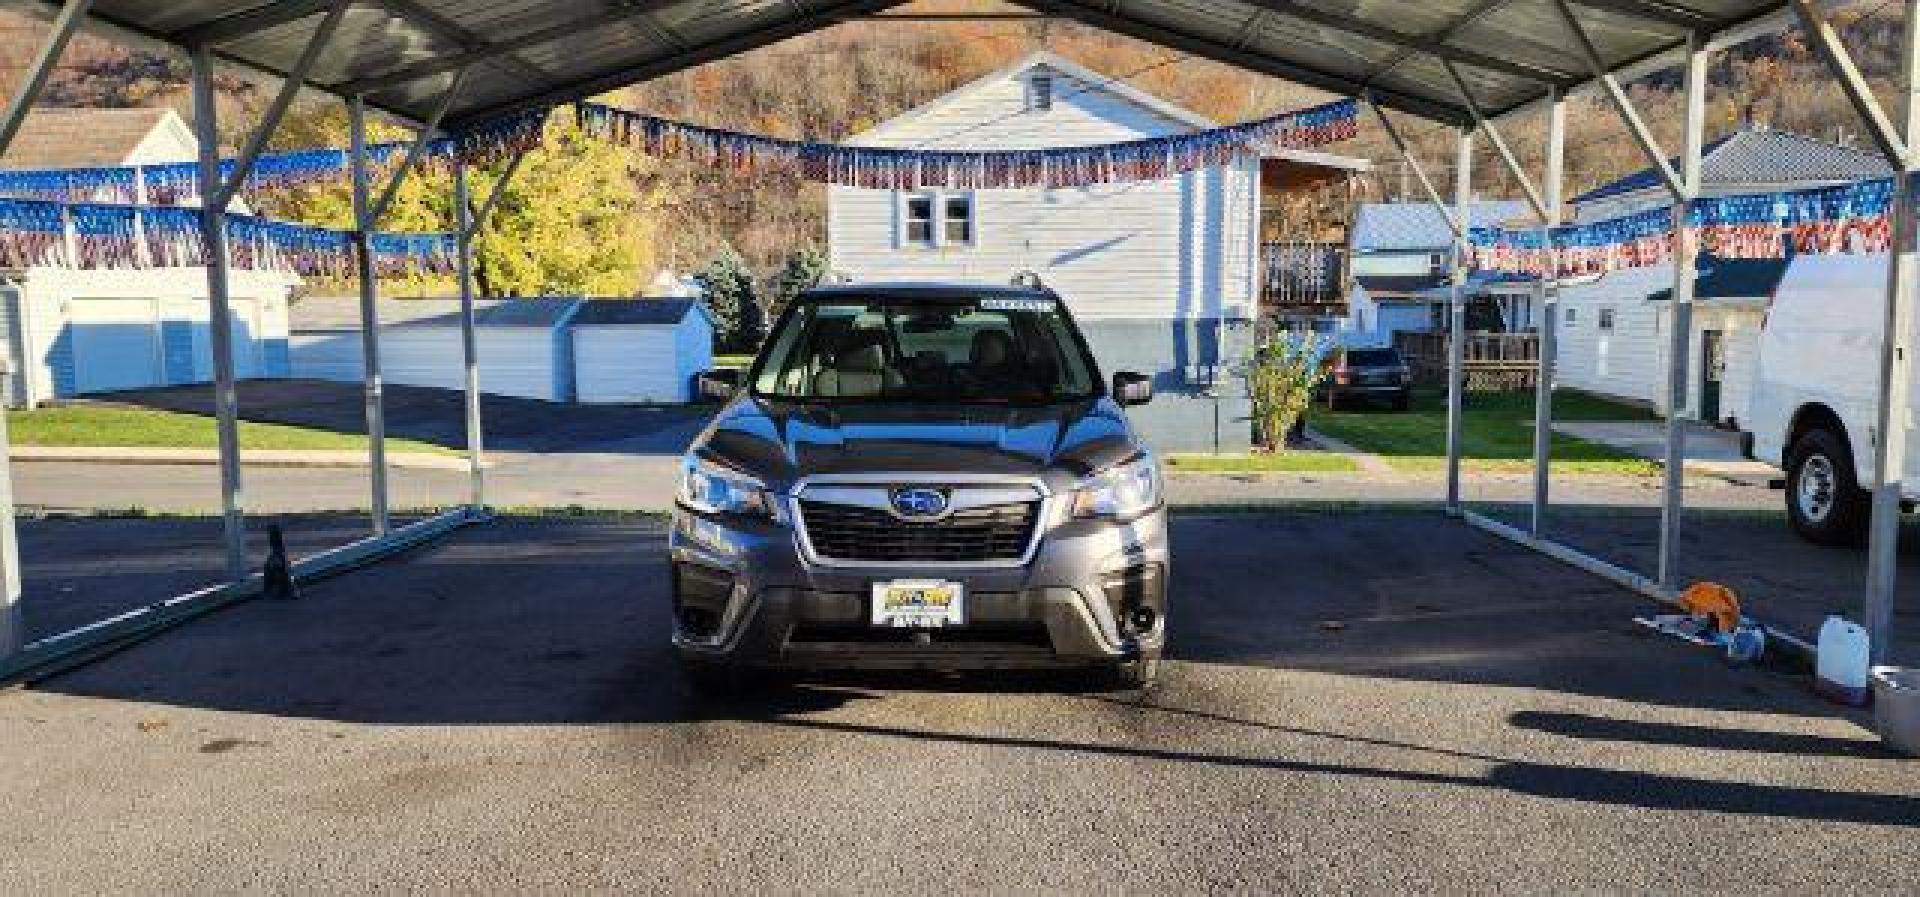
x=1285, y=371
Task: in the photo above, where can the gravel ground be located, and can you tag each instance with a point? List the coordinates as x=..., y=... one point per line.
x=1362, y=702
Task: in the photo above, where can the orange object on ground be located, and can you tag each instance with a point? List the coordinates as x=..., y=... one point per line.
x=1714, y=600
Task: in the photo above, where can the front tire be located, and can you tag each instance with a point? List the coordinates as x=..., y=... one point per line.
x=1825, y=503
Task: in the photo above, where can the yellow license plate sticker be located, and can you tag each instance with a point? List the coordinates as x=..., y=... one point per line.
x=918, y=602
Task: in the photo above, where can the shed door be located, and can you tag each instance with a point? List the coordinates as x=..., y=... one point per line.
x=116, y=344
x=625, y=364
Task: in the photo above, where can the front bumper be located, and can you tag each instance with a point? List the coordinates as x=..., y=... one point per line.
x=743, y=594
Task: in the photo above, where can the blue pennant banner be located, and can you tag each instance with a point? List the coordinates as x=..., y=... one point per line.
x=36, y=233
x=904, y=169
x=1850, y=218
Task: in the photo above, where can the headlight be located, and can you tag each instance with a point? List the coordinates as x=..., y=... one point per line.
x=1123, y=491
x=716, y=490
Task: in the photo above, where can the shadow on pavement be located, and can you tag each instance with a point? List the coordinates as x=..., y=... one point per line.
x=1559, y=782
x=1579, y=725
x=438, y=416
x=564, y=621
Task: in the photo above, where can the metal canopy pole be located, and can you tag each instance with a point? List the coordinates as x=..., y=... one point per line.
x=364, y=222
x=1894, y=418
x=1457, y=317
x=1547, y=295
x=1686, y=252
x=226, y=400
x=469, y=343
x=12, y=628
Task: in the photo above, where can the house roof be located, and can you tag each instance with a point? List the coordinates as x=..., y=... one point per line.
x=1181, y=117
x=322, y=313
x=1415, y=226
x=1398, y=284
x=70, y=138
x=1760, y=158
x=1733, y=279
x=634, y=311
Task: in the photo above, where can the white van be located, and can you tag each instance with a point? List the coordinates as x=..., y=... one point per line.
x=1816, y=391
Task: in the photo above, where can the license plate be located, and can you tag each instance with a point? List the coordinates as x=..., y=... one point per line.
x=918, y=603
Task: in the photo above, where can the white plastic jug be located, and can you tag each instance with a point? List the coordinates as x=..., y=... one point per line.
x=1841, y=671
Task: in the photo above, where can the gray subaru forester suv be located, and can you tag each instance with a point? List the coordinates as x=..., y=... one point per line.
x=920, y=476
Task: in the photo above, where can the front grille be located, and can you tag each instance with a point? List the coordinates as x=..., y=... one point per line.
x=851, y=533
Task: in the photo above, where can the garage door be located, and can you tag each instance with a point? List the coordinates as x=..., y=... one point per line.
x=246, y=335
x=116, y=344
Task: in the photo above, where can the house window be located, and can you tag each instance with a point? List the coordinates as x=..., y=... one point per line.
x=1437, y=264
x=1606, y=319
x=957, y=222
x=1042, y=93
x=920, y=220
x=1571, y=316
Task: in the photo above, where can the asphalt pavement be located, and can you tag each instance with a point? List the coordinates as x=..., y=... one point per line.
x=1359, y=702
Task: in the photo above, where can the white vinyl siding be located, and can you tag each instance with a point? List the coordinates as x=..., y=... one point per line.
x=1178, y=247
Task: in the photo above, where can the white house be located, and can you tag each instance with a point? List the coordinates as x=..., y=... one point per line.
x=1401, y=256
x=73, y=332
x=1162, y=274
x=1613, y=328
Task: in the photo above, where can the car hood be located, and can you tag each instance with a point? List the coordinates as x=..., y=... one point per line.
x=781, y=442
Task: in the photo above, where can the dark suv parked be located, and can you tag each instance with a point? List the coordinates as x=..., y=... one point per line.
x=1368, y=374
x=921, y=476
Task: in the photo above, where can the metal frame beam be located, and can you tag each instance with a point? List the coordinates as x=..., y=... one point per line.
x=1547, y=294
x=1419, y=171
x=373, y=213
x=226, y=398
x=372, y=388
x=1673, y=14
x=1893, y=418
x=1686, y=253
x=221, y=195
x=1621, y=102
x=480, y=215
x=1457, y=314
x=1499, y=142
x=468, y=223
x=12, y=626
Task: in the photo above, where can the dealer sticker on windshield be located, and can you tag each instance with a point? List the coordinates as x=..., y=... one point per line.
x=918, y=603
x=1016, y=305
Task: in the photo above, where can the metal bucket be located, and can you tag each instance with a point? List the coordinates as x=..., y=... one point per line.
x=1896, y=707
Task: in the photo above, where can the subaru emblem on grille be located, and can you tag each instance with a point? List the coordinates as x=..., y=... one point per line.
x=918, y=503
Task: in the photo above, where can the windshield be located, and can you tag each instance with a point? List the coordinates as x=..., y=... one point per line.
x=990, y=350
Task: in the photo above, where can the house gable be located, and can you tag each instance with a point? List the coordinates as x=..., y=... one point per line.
x=993, y=113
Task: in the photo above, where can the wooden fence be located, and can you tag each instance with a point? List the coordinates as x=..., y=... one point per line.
x=1494, y=361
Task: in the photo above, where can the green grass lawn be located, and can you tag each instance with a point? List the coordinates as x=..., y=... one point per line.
x=1497, y=434
x=1283, y=462
x=108, y=425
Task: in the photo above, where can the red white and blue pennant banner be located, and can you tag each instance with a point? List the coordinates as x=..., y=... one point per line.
x=178, y=182
x=36, y=233
x=905, y=169
x=1850, y=218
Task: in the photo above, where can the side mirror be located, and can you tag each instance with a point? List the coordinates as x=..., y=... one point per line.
x=1130, y=388
x=719, y=385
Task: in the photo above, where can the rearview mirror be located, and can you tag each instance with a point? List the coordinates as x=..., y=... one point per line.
x=719, y=385
x=1130, y=388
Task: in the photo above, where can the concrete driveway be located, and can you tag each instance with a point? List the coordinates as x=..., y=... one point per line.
x=498, y=712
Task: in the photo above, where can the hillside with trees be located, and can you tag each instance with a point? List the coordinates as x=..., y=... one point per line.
x=582, y=217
